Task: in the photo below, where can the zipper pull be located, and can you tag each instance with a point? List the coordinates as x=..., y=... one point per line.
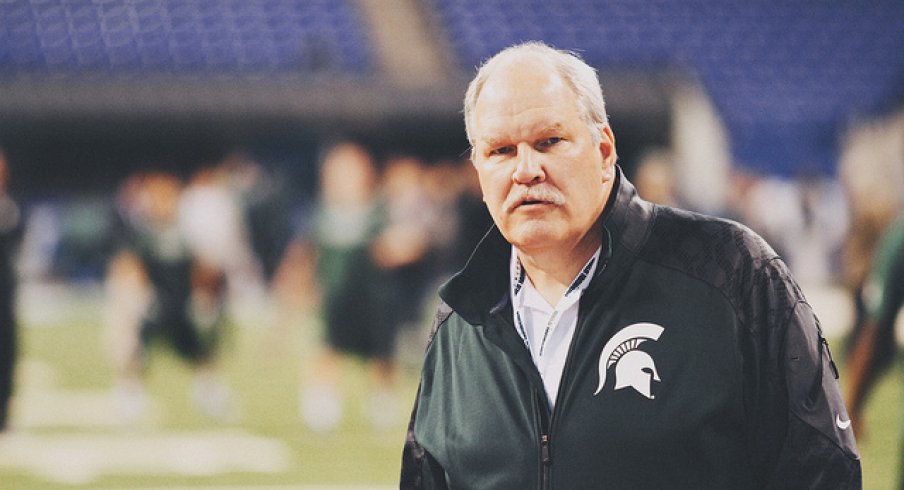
x=544, y=450
x=825, y=345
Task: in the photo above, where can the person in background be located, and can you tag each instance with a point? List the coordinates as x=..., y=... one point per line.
x=213, y=225
x=10, y=233
x=875, y=345
x=875, y=202
x=655, y=179
x=597, y=340
x=404, y=246
x=157, y=289
x=356, y=297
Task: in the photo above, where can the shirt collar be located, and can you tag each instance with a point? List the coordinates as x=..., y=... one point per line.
x=519, y=279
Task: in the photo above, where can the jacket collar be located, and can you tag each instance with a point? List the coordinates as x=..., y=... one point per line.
x=482, y=287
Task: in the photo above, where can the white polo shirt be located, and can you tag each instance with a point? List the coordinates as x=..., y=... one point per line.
x=546, y=330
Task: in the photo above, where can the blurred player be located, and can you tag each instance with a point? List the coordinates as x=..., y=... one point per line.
x=9, y=233
x=157, y=289
x=352, y=262
x=883, y=297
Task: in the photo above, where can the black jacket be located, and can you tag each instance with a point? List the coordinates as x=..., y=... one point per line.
x=741, y=391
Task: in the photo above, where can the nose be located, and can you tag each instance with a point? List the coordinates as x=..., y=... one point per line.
x=529, y=168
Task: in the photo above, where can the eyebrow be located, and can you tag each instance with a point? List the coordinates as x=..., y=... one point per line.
x=494, y=141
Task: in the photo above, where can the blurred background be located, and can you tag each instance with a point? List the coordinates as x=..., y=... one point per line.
x=168, y=159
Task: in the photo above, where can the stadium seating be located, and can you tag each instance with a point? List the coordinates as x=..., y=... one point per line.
x=60, y=37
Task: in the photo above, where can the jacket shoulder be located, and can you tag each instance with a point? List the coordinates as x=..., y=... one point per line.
x=443, y=312
x=722, y=253
x=701, y=245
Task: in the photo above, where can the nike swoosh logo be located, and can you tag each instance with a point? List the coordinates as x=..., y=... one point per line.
x=842, y=424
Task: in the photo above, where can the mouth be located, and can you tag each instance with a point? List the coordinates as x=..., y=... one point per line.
x=530, y=203
x=536, y=198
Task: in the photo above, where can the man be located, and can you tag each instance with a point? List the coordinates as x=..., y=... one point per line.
x=595, y=340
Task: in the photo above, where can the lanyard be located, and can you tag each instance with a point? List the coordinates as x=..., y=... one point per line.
x=518, y=284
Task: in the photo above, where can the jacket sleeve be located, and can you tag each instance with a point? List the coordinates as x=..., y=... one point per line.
x=419, y=470
x=816, y=447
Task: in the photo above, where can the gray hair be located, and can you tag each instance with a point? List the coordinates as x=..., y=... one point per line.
x=577, y=74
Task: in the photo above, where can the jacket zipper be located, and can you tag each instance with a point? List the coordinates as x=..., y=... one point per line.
x=547, y=419
x=543, y=412
x=545, y=460
x=545, y=455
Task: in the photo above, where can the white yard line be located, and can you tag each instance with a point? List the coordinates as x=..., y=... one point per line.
x=83, y=458
x=83, y=454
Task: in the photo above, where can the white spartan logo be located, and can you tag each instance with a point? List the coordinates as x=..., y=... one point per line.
x=634, y=368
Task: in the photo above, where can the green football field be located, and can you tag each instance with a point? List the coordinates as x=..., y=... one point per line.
x=67, y=434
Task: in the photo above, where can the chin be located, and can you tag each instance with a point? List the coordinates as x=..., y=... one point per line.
x=534, y=239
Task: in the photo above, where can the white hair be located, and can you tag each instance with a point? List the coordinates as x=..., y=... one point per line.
x=576, y=74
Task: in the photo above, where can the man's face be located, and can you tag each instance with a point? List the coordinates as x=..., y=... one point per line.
x=544, y=179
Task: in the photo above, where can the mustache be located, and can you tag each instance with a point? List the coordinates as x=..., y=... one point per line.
x=542, y=193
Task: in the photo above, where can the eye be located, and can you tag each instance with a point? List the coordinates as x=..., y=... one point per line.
x=548, y=142
x=502, y=150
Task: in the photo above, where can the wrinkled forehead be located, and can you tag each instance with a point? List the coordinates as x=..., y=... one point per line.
x=525, y=99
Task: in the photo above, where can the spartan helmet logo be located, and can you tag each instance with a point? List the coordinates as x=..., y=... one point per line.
x=633, y=367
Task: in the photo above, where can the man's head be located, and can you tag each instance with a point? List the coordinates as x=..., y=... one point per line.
x=542, y=147
x=579, y=76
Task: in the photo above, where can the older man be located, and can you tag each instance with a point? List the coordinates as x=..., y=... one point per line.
x=596, y=340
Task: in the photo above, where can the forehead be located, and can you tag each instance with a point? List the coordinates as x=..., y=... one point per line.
x=524, y=97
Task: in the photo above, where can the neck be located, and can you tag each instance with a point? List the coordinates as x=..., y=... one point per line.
x=552, y=271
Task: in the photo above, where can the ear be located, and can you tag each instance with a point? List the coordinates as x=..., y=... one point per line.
x=607, y=150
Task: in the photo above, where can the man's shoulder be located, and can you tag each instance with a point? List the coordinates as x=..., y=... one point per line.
x=718, y=251
x=691, y=235
x=443, y=312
